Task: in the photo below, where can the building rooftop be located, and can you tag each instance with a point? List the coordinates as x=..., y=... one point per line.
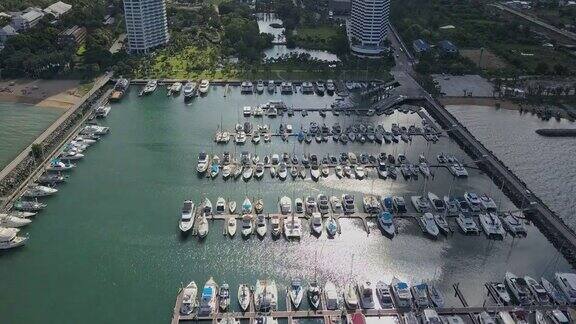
x=447, y=46
x=420, y=45
x=8, y=31
x=58, y=9
x=32, y=14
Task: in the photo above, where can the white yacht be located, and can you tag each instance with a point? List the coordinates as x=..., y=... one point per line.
x=209, y=298
x=261, y=226
x=402, y=297
x=467, y=224
x=203, y=226
x=386, y=222
x=491, y=225
x=296, y=292
x=488, y=203
x=36, y=191
x=9, y=238
x=316, y=223
x=247, y=225
x=485, y=318
x=189, y=299
x=350, y=296
x=519, y=289
x=266, y=296
x=220, y=206
x=473, y=201
x=244, y=297
x=298, y=206
x=429, y=226
x=436, y=202
x=538, y=292
x=430, y=316
x=293, y=227
x=232, y=226
x=13, y=221
x=311, y=205
x=420, y=203
x=203, y=162
x=204, y=87
x=331, y=296
x=567, y=284
x=285, y=205
x=502, y=292
x=190, y=90
x=366, y=293
x=336, y=205
x=275, y=227
x=556, y=296
x=513, y=224
x=150, y=87
x=187, y=216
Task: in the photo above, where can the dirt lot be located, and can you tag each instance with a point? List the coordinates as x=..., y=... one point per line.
x=489, y=60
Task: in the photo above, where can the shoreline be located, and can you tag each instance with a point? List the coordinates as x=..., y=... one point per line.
x=60, y=94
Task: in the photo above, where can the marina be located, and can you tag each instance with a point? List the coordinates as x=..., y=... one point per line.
x=125, y=198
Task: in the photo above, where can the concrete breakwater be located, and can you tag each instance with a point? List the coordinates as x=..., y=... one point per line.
x=560, y=132
x=550, y=224
x=15, y=175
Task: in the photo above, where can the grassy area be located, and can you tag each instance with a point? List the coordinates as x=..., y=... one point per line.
x=320, y=37
x=84, y=87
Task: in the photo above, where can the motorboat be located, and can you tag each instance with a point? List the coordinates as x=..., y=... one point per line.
x=538, y=292
x=19, y=214
x=331, y=296
x=209, y=298
x=436, y=296
x=282, y=171
x=247, y=226
x=463, y=205
x=240, y=137
x=207, y=206
x=298, y=206
x=150, y=87
x=485, y=318
x=102, y=111
x=260, y=86
x=420, y=203
x=307, y=87
x=261, y=226
x=187, y=216
x=420, y=295
x=519, y=288
x=473, y=202
x=244, y=297
x=401, y=293
x=313, y=293
x=232, y=206
x=436, y=202
x=258, y=205
x=323, y=204
x=501, y=291
x=330, y=87
x=9, y=238
x=556, y=296
x=386, y=223
x=296, y=292
x=316, y=223
x=275, y=227
x=442, y=224
x=247, y=87
x=51, y=178
x=366, y=293
x=224, y=296
x=266, y=296
x=285, y=205
x=57, y=165
x=359, y=172
x=10, y=221
x=315, y=172
x=204, y=87
x=430, y=316
x=190, y=90
x=567, y=284
x=293, y=227
x=491, y=225
x=371, y=204
x=451, y=206
x=399, y=204
x=37, y=191
x=383, y=294
x=286, y=88
x=336, y=205
x=70, y=155
x=271, y=86
x=348, y=204
x=350, y=296
x=410, y=318
x=247, y=172
x=189, y=299
x=429, y=226
x=28, y=205
x=513, y=224
x=311, y=205
x=220, y=206
x=231, y=226
x=331, y=226
x=467, y=224
x=488, y=203
x=558, y=317
x=458, y=170
x=203, y=162
x=203, y=226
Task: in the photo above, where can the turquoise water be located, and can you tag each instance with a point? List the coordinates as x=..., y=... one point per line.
x=20, y=124
x=107, y=249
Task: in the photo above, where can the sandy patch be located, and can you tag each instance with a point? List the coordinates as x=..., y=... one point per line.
x=490, y=60
x=43, y=93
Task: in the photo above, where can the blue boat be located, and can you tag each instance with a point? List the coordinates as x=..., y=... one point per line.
x=386, y=222
x=301, y=136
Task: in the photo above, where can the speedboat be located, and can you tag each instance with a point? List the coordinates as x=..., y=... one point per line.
x=383, y=294
x=315, y=172
x=359, y=172
x=316, y=223
x=247, y=227
x=401, y=292
x=275, y=225
x=436, y=296
x=311, y=205
x=285, y=205
x=420, y=295
x=220, y=206
x=204, y=87
x=258, y=205
x=298, y=206
x=224, y=296
x=247, y=172
x=473, y=201
x=348, y=204
x=502, y=292
x=567, y=284
x=371, y=204
x=203, y=162
x=51, y=178
x=39, y=191
x=271, y=86
x=207, y=206
x=488, y=203
x=189, y=90
x=266, y=296
x=261, y=227
x=513, y=224
x=57, y=165
x=28, y=205
x=491, y=225
x=247, y=206
x=150, y=87
x=203, y=226
x=331, y=226
x=323, y=204
x=293, y=227
x=538, y=292
x=9, y=238
x=187, y=216
x=399, y=204
x=485, y=318
x=313, y=293
x=366, y=293
x=189, y=301
x=296, y=292
x=232, y=226
x=556, y=296
x=336, y=205
x=386, y=222
x=442, y=224
x=260, y=86
x=350, y=296
x=10, y=221
x=420, y=203
x=244, y=297
x=451, y=206
x=282, y=171
x=331, y=296
x=436, y=202
x=429, y=225
x=467, y=224
x=209, y=298
x=232, y=206
x=410, y=318
x=519, y=289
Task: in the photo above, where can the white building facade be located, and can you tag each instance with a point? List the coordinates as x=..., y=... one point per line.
x=368, y=27
x=146, y=25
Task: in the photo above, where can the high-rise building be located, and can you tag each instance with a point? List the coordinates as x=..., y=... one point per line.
x=146, y=24
x=368, y=27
